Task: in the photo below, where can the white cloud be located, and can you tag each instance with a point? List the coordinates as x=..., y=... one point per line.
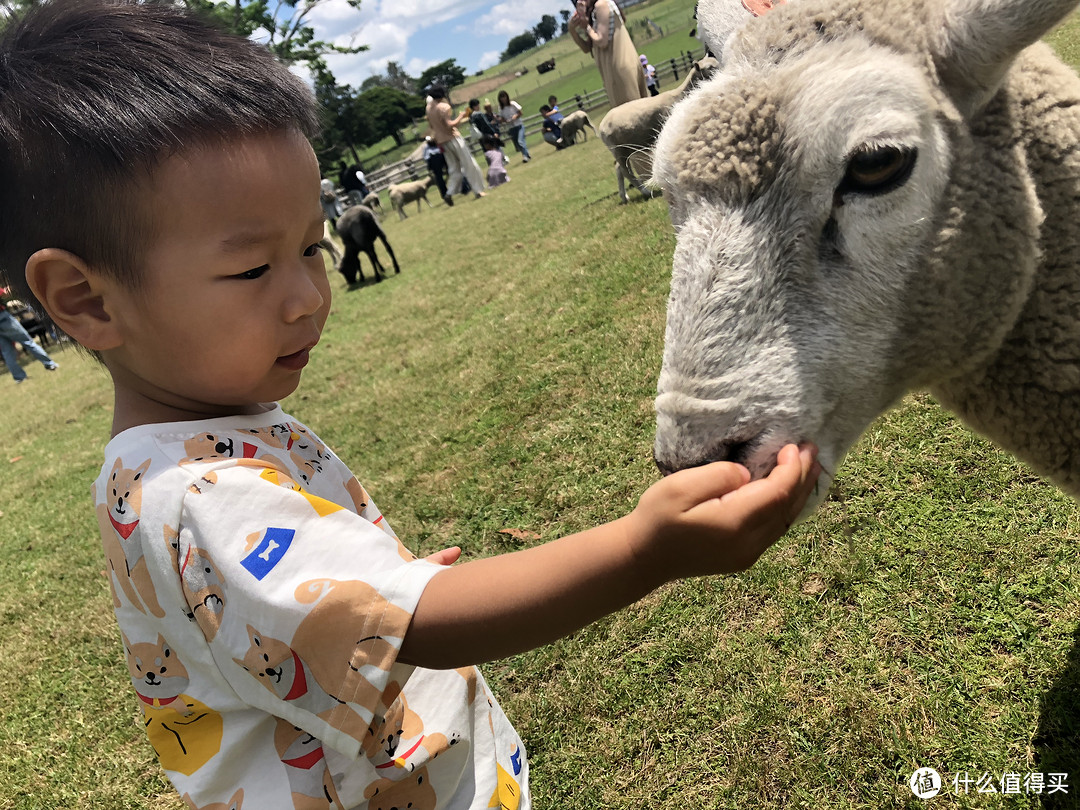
x=390, y=29
x=488, y=59
x=517, y=16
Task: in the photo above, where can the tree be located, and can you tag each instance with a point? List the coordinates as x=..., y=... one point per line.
x=395, y=78
x=564, y=27
x=519, y=44
x=282, y=23
x=343, y=128
x=546, y=28
x=448, y=74
x=386, y=110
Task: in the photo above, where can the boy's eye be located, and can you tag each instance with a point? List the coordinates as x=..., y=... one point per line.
x=312, y=250
x=254, y=273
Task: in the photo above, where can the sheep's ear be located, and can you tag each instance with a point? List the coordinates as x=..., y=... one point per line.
x=977, y=41
x=719, y=20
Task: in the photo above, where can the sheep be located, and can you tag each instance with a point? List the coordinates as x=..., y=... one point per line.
x=575, y=123
x=372, y=201
x=873, y=198
x=401, y=194
x=629, y=130
x=358, y=229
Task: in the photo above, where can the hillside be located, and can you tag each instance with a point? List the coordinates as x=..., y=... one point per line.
x=574, y=71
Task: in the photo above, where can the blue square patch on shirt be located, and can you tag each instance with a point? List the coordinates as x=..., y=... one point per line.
x=268, y=553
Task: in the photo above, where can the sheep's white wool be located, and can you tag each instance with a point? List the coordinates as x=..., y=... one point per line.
x=870, y=198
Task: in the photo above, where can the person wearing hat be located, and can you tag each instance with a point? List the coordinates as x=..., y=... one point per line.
x=650, y=76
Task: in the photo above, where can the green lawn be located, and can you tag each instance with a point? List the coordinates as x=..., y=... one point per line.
x=927, y=616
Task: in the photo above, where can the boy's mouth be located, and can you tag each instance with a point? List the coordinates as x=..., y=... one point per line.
x=296, y=360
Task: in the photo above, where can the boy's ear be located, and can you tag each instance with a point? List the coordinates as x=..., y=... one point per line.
x=73, y=296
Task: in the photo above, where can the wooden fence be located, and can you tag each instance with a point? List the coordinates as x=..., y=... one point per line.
x=669, y=72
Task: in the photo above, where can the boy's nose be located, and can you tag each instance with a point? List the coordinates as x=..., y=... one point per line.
x=305, y=298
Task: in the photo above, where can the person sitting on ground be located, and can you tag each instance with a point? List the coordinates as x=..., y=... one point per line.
x=496, y=174
x=273, y=623
x=552, y=114
x=550, y=131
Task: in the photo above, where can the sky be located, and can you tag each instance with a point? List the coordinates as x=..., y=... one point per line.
x=419, y=33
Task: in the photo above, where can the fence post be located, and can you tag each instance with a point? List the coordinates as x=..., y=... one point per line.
x=674, y=69
x=580, y=105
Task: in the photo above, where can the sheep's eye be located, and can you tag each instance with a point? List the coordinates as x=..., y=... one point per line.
x=878, y=170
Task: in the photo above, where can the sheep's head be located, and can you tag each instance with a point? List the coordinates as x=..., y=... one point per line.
x=850, y=224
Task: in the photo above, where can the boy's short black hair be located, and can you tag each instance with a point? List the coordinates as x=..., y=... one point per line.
x=437, y=91
x=94, y=94
x=474, y=103
x=545, y=108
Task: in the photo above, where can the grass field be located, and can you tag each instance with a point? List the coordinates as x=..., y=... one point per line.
x=926, y=616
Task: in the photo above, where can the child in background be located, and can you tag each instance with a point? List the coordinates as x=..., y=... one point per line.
x=496, y=161
x=550, y=131
x=286, y=647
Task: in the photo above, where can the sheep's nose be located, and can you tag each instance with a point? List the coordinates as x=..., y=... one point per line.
x=737, y=452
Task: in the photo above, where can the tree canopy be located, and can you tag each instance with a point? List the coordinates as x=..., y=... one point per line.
x=395, y=78
x=519, y=44
x=448, y=74
x=282, y=25
x=546, y=29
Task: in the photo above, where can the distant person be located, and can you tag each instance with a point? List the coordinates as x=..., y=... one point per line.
x=352, y=180
x=651, y=81
x=481, y=125
x=492, y=118
x=549, y=130
x=459, y=160
x=598, y=28
x=496, y=161
x=12, y=332
x=553, y=115
x=331, y=205
x=510, y=114
x=436, y=163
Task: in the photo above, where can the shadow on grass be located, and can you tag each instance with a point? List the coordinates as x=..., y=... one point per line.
x=1057, y=739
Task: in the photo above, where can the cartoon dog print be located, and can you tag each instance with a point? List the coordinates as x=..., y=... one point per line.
x=320, y=649
x=287, y=675
x=414, y=792
x=204, y=591
x=184, y=732
x=235, y=803
x=308, y=454
x=398, y=736
x=302, y=756
x=118, y=516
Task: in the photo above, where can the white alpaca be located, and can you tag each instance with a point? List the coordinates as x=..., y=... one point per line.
x=873, y=197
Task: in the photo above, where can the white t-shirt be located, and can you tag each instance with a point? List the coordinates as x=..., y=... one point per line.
x=263, y=600
x=508, y=112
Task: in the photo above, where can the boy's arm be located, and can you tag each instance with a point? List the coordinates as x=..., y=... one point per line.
x=706, y=520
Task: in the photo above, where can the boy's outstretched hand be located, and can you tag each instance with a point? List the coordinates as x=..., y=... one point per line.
x=714, y=520
x=707, y=520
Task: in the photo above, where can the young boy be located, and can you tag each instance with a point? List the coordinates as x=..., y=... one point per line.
x=157, y=186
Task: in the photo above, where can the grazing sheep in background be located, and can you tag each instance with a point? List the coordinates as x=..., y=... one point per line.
x=629, y=130
x=372, y=201
x=872, y=198
x=401, y=194
x=358, y=229
x=575, y=123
